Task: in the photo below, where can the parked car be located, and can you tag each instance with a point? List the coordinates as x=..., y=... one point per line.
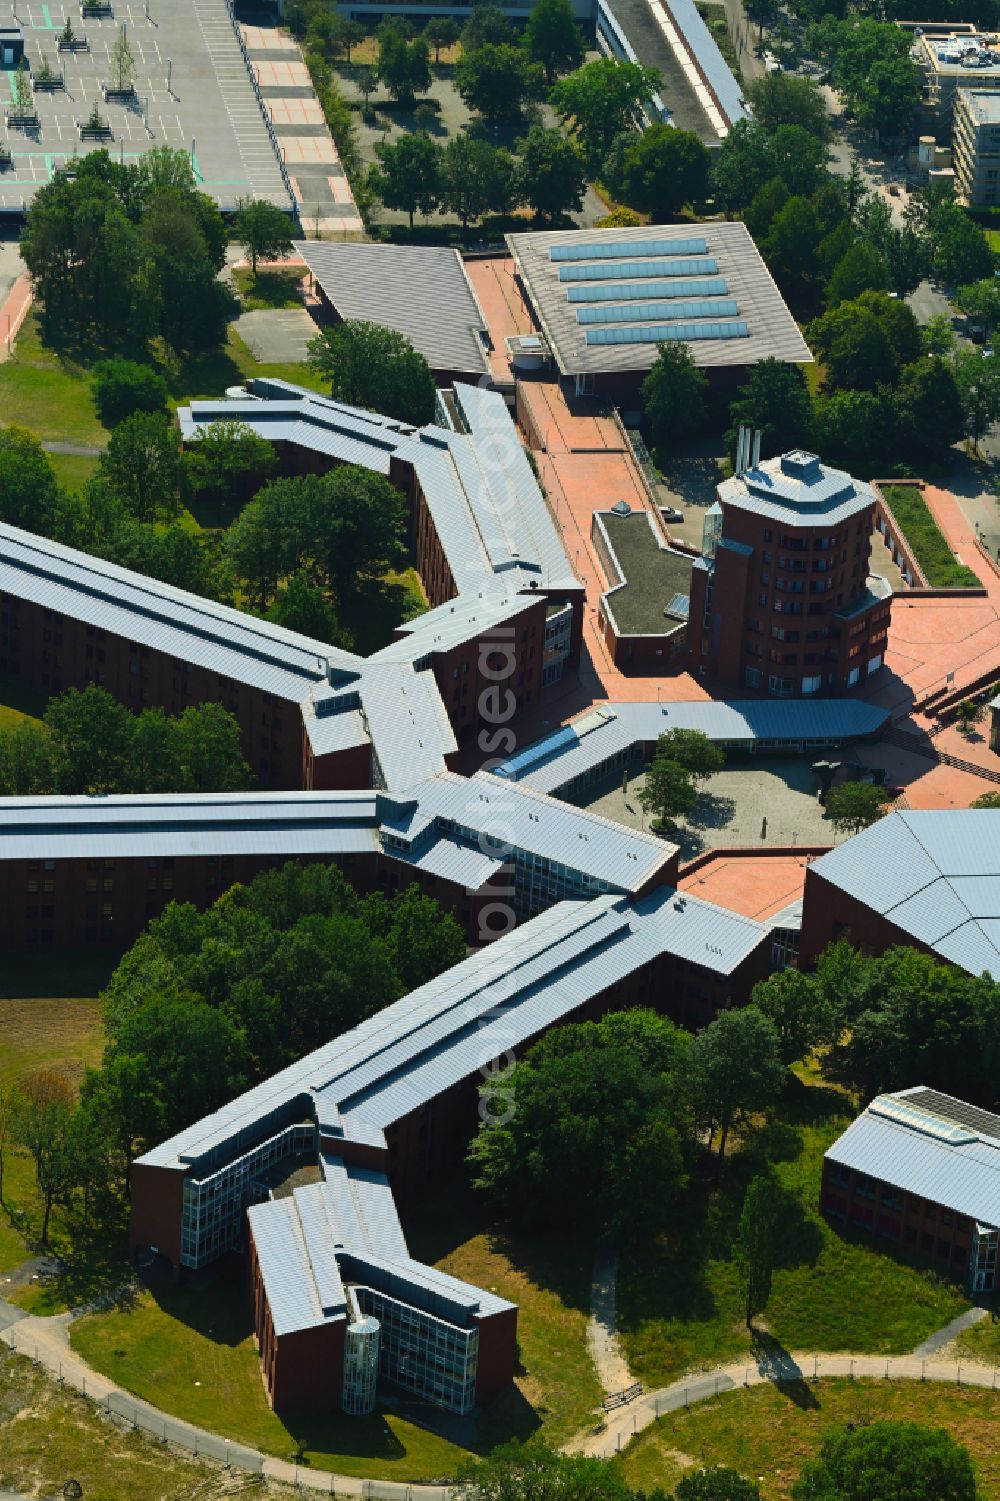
x=671, y=513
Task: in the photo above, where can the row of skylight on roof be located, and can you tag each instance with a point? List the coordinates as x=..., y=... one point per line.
x=922, y=1121
x=624, y=291
x=635, y=312
x=635, y=269
x=657, y=333
x=616, y=250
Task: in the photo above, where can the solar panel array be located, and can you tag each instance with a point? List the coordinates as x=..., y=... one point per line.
x=623, y=291
x=632, y=312
x=616, y=250
x=604, y=271
x=666, y=332
x=648, y=300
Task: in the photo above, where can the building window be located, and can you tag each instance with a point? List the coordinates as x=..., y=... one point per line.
x=752, y=677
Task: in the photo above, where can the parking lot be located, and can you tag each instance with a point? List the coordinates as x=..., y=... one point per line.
x=192, y=91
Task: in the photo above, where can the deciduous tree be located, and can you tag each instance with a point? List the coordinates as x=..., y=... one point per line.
x=263, y=230
x=407, y=175
x=674, y=394
x=736, y=1070
x=601, y=99
x=553, y=39
x=664, y=169
x=497, y=81
x=377, y=368
x=886, y=1461
x=551, y=173
x=755, y=1249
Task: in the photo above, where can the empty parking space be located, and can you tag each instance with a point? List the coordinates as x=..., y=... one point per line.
x=192, y=91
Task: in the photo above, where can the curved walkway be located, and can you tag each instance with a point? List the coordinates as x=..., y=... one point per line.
x=46, y=1341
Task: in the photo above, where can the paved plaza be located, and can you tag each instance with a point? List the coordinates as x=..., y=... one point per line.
x=733, y=806
x=193, y=91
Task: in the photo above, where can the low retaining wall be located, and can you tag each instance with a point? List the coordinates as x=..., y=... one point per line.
x=895, y=538
x=750, y=852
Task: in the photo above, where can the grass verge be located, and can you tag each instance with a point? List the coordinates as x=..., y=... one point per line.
x=680, y=1303
x=930, y=548
x=273, y=288
x=768, y=1433
x=175, y=1337
x=982, y=1342
x=48, y=1435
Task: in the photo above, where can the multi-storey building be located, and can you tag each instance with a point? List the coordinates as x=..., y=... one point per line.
x=782, y=599
x=976, y=146
x=919, y=1169
x=952, y=62
x=381, y=1110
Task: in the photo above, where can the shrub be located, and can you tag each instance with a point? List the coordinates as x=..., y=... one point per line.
x=122, y=387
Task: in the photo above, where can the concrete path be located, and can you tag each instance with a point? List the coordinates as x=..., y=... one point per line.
x=784, y=1369
x=602, y=1328
x=941, y=1337
x=44, y=1340
x=79, y=450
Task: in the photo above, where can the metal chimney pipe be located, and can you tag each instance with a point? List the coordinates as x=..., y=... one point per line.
x=756, y=449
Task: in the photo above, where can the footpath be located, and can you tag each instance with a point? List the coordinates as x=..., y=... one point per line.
x=46, y=1342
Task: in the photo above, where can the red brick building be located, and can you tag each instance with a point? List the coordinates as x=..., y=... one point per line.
x=916, y=1169
x=782, y=600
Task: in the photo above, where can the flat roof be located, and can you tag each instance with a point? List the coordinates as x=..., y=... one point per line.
x=963, y=53
x=934, y=875
x=929, y=1144
x=604, y=298
x=656, y=577
x=212, y=109
x=983, y=104
x=421, y=291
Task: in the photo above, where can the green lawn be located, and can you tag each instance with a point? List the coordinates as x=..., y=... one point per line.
x=175, y=1337
x=680, y=1304
x=47, y=393
x=270, y=289
x=924, y=535
x=72, y=470
x=48, y=1434
x=982, y=1341
x=768, y=1433
x=50, y=394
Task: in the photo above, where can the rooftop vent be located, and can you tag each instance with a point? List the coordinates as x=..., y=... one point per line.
x=800, y=465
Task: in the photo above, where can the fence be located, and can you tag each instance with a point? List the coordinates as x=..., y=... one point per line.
x=178, y=1434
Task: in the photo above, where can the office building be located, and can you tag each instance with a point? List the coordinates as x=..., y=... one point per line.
x=976, y=146
x=922, y=1170
x=781, y=599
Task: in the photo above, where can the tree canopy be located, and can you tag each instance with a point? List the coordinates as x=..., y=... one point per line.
x=553, y=39
x=376, y=368
x=607, y=1093
x=600, y=100
x=88, y=742
x=120, y=253
x=497, y=80
x=664, y=169
x=674, y=394
x=886, y=1461
x=269, y=972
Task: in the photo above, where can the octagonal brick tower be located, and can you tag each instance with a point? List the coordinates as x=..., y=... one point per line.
x=782, y=600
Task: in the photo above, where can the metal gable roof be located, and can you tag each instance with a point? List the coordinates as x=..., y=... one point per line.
x=422, y=292
x=934, y=874
x=601, y=733
x=171, y=621
x=965, y=1179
